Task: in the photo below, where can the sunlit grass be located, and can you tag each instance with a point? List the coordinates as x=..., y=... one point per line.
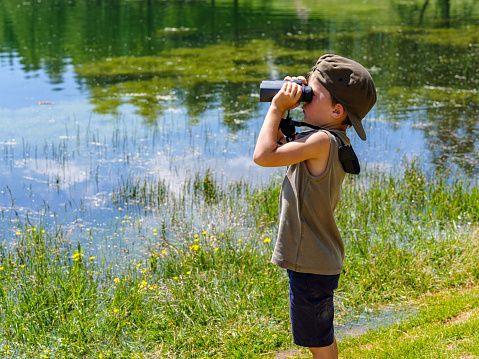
x=208, y=290
x=444, y=327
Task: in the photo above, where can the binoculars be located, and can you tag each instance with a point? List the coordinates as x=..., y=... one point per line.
x=268, y=89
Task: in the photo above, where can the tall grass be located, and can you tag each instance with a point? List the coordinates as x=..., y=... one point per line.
x=209, y=291
x=407, y=234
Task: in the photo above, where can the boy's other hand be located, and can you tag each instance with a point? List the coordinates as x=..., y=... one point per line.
x=302, y=78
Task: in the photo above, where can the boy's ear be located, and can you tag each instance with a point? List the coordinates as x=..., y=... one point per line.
x=338, y=111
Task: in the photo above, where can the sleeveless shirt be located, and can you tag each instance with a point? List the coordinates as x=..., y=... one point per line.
x=308, y=238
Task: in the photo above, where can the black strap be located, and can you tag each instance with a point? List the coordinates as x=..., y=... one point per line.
x=303, y=124
x=287, y=128
x=346, y=154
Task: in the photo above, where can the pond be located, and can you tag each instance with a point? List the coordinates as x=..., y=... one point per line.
x=95, y=94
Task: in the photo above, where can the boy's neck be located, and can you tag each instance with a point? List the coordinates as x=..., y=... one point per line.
x=335, y=127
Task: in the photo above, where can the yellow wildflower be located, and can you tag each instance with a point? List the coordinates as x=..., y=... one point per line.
x=267, y=240
x=195, y=247
x=116, y=310
x=116, y=280
x=240, y=240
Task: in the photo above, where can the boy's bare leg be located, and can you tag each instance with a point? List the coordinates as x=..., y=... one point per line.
x=329, y=352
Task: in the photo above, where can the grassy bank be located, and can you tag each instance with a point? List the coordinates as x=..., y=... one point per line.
x=444, y=327
x=211, y=292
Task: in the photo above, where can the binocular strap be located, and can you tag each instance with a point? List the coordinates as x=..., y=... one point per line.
x=346, y=154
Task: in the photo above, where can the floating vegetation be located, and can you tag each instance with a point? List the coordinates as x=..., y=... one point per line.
x=212, y=63
x=188, y=75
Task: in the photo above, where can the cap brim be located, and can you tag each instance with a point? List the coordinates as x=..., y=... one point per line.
x=358, y=126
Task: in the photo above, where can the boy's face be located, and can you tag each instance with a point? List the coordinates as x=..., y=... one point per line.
x=318, y=111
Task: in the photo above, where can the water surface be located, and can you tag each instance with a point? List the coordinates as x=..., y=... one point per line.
x=96, y=93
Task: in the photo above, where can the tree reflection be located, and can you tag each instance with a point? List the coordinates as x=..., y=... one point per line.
x=154, y=55
x=452, y=137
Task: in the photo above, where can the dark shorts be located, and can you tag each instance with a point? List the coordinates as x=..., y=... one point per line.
x=312, y=308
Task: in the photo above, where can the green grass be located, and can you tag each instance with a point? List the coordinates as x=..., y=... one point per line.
x=445, y=327
x=209, y=291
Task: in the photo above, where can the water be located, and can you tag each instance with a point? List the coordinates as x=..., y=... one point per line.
x=359, y=323
x=94, y=93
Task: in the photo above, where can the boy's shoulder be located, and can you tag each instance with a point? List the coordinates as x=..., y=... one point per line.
x=323, y=133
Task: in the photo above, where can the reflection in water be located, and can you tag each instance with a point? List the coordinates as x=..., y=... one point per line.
x=174, y=85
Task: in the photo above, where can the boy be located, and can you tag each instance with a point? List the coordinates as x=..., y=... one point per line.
x=309, y=244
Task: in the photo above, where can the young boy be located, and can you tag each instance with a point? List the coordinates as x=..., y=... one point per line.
x=309, y=244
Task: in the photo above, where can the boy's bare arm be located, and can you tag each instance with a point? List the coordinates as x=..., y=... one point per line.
x=312, y=148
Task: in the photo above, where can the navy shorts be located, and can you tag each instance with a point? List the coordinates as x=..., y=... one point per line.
x=312, y=308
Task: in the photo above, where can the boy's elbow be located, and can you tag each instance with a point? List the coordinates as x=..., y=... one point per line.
x=259, y=159
x=264, y=160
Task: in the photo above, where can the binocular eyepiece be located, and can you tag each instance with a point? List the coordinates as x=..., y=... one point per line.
x=268, y=89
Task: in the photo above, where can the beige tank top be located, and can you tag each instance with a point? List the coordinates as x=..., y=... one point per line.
x=308, y=238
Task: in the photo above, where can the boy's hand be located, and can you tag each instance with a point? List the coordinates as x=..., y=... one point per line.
x=313, y=148
x=288, y=97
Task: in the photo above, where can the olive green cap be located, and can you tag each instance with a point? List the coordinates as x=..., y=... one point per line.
x=350, y=84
